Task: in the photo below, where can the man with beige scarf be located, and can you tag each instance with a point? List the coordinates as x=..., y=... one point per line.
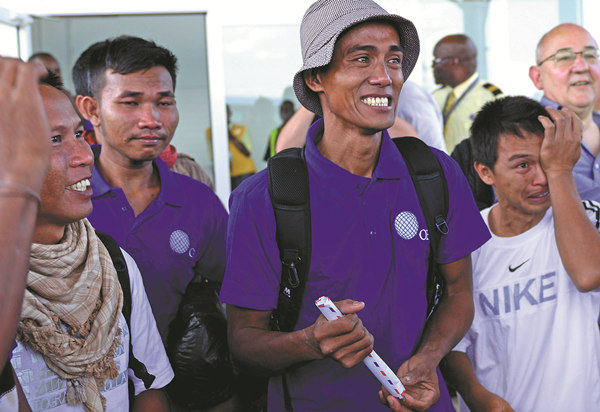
x=72, y=344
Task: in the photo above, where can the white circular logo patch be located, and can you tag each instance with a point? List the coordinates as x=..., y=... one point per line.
x=179, y=242
x=406, y=225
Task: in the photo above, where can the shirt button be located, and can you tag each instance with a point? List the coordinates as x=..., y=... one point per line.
x=597, y=166
x=124, y=208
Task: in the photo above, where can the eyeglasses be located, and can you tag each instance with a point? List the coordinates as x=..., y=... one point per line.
x=566, y=57
x=438, y=60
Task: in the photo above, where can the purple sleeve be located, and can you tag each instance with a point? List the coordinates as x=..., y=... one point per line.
x=253, y=269
x=214, y=229
x=467, y=230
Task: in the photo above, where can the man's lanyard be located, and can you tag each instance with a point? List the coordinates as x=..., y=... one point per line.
x=457, y=101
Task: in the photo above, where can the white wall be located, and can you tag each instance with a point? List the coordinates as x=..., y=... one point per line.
x=514, y=29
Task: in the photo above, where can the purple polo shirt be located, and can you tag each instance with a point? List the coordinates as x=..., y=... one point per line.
x=367, y=244
x=180, y=233
x=586, y=171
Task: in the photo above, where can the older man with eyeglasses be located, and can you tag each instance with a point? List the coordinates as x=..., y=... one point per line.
x=568, y=70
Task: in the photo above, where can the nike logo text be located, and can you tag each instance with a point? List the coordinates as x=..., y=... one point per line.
x=523, y=294
x=511, y=269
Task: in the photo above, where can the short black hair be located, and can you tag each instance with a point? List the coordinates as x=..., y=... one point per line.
x=53, y=80
x=508, y=115
x=124, y=55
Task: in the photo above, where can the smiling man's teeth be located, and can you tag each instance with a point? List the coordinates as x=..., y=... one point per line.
x=581, y=83
x=80, y=186
x=376, y=101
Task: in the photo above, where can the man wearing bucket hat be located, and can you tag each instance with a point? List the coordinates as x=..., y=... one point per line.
x=369, y=237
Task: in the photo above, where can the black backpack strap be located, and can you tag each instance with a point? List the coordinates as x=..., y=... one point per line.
x=431, y=186
x=288, y=187
x=482, y=192
x=138, y=368
x=290, y=196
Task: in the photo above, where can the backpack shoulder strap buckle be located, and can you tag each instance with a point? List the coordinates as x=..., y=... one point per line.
x=291, y=260
x=441, y=224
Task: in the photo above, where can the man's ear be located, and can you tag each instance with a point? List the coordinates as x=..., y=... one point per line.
x=485, y=173
x=535, y=74
x=313, y=80
x=89, y=108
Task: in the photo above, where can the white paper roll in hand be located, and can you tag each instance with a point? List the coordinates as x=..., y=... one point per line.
x=375, y=364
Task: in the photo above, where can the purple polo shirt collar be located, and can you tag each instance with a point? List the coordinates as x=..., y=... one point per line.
x=170, y=191
x=389, y=165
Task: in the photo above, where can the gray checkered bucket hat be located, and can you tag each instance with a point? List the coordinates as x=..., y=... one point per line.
x=323, y=23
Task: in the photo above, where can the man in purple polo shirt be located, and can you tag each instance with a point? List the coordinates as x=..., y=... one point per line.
x=369, y=236
x=172, y=225
x=567, y=70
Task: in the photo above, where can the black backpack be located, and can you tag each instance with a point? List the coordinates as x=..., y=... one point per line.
x=139, y=369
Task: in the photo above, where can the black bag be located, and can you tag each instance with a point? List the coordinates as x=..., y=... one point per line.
x=198, y=351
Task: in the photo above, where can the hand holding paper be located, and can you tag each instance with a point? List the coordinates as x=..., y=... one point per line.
x=375, y=364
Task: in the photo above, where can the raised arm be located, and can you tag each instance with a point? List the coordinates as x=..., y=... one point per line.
x=401, y=128
x=577, y=239
x=260, y=350
x=24, y=157
x=293, y=133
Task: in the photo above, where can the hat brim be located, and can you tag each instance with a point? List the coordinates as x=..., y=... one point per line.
x=409, y=40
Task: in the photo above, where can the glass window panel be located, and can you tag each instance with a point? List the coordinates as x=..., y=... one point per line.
x=9, y=43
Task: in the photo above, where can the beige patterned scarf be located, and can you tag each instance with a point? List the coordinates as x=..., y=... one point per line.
x=71, y=312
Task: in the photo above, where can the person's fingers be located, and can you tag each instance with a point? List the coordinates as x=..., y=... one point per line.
x=351, y=355
x=349, y=306
x=26, y=81
x=337, y=327
x=344, y=336
x=395, y=404
x=574, y=125
x=40, y=69
x=547, y=124
x=560, y=121
x=391, y=402
x=421, y=404
x=8, y=75
x=383, y=394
